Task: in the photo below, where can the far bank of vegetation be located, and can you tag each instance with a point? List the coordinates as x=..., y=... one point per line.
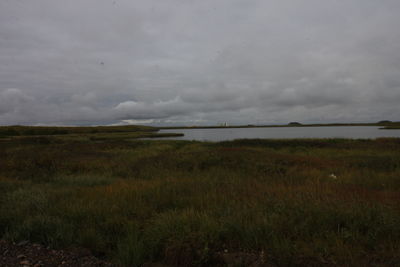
x=302, y=202
x=384, y=124
x=391, y=127
x=19, y=130
x=93, y=133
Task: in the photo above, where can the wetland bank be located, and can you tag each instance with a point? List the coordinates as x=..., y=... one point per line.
x=305, y=202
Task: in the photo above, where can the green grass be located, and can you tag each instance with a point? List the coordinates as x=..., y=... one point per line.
x=182, y=203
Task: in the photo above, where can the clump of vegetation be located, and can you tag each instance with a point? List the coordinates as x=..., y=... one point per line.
x=385, y=122
x=389, y=125
x=294, y=123
x=391, y=128
x=298, y=202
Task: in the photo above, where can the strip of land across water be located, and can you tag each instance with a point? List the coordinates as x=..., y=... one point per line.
x=294, y=202
x=383, y=124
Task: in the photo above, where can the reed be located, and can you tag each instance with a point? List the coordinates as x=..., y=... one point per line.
x=307, y=202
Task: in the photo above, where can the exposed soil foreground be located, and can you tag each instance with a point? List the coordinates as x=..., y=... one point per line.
x=35, y=255
x=28, y=254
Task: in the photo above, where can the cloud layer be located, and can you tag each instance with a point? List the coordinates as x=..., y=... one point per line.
x=198, y=62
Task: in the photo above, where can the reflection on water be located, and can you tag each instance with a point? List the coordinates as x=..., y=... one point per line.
x=222, y=134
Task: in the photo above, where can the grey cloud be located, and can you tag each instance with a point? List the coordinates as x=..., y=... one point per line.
x=12, y=100
x=96, y=61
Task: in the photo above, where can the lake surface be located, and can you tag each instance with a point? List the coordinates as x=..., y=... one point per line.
x=222, y=134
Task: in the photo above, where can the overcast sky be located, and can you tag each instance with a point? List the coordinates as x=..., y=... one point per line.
x=186, y=62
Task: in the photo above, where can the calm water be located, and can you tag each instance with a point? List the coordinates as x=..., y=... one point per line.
x=222, y=134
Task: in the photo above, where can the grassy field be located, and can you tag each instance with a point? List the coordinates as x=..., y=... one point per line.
x=97, y=133
x=331, y=202
x=45, y=130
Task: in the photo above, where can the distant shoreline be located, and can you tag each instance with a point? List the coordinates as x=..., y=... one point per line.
x=391, y=126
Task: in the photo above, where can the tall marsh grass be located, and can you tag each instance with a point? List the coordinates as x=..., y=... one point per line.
x=182, y=203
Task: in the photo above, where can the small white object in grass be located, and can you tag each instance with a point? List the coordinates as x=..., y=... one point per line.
x=333, y=176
